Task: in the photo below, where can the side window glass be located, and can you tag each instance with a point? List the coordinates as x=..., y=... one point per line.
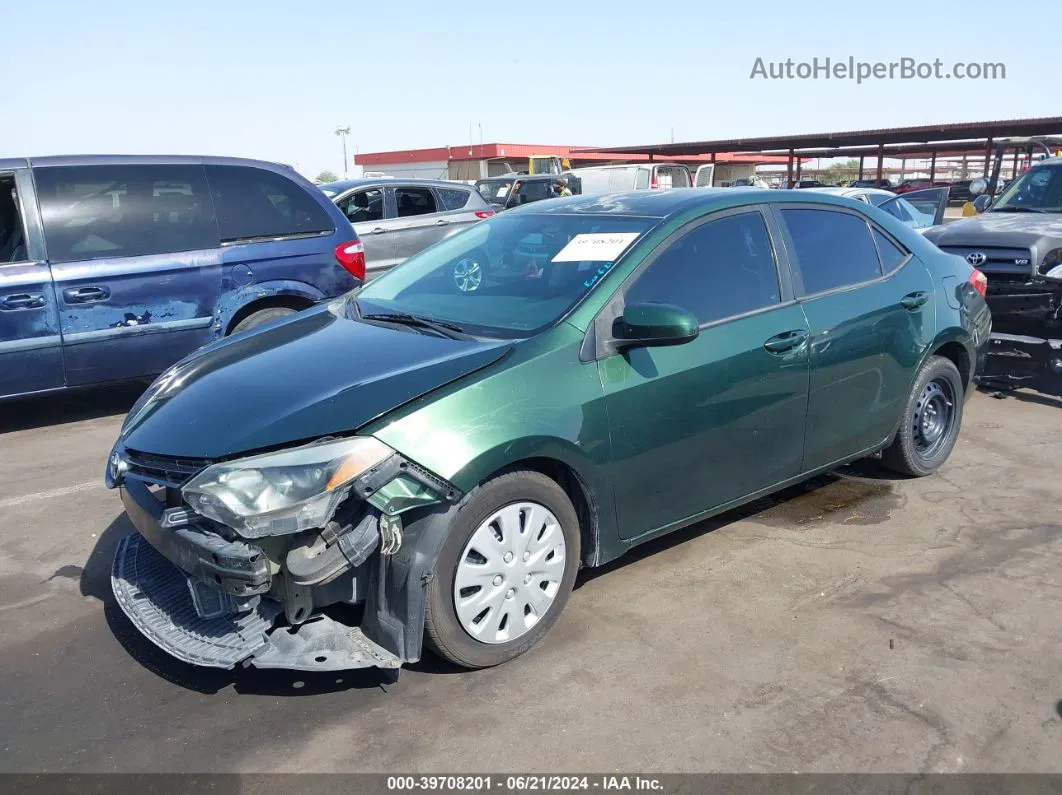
x=414, y=201
x=891, y=255
x=720, y=269
x=453, y=198
x=833, y=249
x=12, y=230
x=90, y=212
x=364, y=206
x=256, y=203
x=641, y=179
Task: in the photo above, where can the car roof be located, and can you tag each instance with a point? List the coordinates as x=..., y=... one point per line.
x=343, y=185
x=849, y=191
x=521, y=177
x=670, y=202
x=112, y=160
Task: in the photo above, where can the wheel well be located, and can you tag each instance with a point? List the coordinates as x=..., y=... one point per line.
x=577, y=491
x=959, y=357
x=295, y=302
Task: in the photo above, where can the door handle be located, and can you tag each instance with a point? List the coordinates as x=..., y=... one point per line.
x=22, y=301
x=442, y=222
x=378, y=230
x=913, y=301
x=786, y=341
x=85, y=295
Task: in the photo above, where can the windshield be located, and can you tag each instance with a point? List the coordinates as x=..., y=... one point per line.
x=507, y=277
x=1038, y=189
x=495, y=191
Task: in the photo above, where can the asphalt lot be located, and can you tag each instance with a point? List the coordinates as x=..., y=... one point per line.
x=860, y=624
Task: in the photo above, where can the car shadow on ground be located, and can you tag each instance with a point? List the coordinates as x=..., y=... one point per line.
x=74, y=406
x=1043, y=391
x=862, y=489
x=96, y=582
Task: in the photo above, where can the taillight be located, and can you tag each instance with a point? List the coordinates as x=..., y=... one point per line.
x=979, y=282
x=351, y=255
x=484, y=213
x=653, y=184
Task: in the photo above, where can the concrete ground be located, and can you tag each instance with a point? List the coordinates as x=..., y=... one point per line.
x=862, y=623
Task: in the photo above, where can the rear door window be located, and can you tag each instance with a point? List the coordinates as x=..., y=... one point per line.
x=453, y=198
x=91, y=212
x=364, y=206
x=414, y=201
x=641, y=179
x=833, y=249
x=254, y=203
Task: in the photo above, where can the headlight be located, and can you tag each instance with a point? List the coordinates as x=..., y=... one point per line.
x=1052, y=264
x=284, y=492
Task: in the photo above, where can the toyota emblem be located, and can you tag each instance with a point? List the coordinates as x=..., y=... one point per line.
x=977, y=258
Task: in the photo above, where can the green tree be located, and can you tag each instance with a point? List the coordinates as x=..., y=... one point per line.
x=325, y=176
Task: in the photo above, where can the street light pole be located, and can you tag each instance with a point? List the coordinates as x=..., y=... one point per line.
x=343, y=132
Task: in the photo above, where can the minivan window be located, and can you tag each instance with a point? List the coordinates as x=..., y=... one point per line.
x=91, y=212
x=453, y=198
x=414, y=201
x=532, y=191
x=255, y=203
x=12, y=231
x=833, y=249
x=719, y=269
x=508, y=276
x=641, y=179
x=364, y=206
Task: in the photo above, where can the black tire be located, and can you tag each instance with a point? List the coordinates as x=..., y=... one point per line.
x=912, y=453
x=443, y=632
x=262, y=316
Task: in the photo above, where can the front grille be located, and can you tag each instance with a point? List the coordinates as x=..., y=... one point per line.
x=163, y=470
x=1000, y=263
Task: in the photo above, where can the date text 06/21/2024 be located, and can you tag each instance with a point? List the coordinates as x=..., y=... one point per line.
x=529, y=783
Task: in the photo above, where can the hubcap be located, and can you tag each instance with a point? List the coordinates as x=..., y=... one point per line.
x=933, y=417
x=467, y=275
x=509, y=573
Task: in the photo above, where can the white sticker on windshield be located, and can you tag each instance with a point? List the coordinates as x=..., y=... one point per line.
x=597, y=247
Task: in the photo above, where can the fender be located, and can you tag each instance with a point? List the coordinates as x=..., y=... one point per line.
x=235, y=300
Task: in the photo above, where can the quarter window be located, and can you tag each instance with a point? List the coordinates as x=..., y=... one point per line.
x=720, y=269
x=414, y=201
x=364, y=206
x=833, y=249
x=891, y=255
x=91, y=212
x=452, y=198
x=255, y=203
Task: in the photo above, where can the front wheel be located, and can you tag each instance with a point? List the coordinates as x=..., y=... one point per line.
x=504, y=572
x=931, y=420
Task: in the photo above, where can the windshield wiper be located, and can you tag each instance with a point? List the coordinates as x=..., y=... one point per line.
x=1018, y=209
x=440, y=327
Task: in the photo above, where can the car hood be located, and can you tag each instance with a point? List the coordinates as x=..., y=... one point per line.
x=1018, y=230
x=314, y=375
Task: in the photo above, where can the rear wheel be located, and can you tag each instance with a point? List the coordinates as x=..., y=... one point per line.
x=262, y=316
x=505, y=571
x=931, y=420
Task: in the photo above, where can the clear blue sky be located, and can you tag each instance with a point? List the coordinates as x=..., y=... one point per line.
x=273, y=79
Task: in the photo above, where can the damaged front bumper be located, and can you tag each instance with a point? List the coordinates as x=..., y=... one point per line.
x=207, y=597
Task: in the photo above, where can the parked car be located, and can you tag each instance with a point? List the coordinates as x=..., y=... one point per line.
x=620, y=179
x=919, y=210
x=514, y=190
x=395, y=218
x=909, y=185
x=883, y=184
x=115, y=267
x=803, y=183
x=541, y=392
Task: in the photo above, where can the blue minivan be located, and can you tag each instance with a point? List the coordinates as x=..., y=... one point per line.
x=115, y=267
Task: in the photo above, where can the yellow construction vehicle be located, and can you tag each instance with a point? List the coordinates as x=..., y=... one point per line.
x=547, y=164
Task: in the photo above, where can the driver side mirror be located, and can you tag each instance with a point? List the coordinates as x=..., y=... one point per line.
x=651, y=325
x=981, y=202
x=978, y=186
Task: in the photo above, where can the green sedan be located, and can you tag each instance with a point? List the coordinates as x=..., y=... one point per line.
x=447, y=446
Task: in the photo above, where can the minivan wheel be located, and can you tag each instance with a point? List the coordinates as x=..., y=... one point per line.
x=504, y=572
x=931, y=420
x=262, y=316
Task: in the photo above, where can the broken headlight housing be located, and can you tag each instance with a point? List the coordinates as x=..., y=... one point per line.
x=1051, y=267
x=284, y=492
